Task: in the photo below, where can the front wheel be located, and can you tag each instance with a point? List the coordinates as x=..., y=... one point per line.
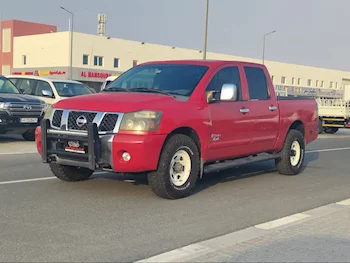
x=29, y=135
x=70, y=173
x=292, y=155
x=331, y=130
x=178, y=168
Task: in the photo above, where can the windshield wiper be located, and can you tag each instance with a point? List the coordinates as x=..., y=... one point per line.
x=116, y=89
x=151, y=90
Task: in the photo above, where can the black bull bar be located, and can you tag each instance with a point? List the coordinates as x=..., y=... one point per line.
x=51, y=153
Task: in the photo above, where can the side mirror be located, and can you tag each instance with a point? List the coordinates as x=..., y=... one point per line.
x=47, y=93
x=228, y=92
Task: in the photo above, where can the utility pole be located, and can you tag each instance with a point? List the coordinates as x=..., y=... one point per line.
x=206, y=31
x=71, y=43
x=263, y=58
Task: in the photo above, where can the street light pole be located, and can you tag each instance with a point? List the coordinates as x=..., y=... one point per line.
x=71, y=43
x=263, y=59
x=206, y=32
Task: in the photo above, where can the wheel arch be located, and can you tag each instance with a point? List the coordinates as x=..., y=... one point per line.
x=299, y=126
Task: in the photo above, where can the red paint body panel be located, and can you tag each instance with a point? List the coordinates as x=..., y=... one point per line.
x=260, y=130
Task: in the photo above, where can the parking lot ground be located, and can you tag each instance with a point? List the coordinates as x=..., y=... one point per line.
x=110, y=219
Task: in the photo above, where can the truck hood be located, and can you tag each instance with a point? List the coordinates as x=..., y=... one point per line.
x=116, y=102
x=4, y=97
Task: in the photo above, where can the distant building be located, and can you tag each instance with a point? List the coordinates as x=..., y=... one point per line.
x=15, y=28
x=96, y=57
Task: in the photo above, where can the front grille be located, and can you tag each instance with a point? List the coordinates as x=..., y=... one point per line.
x=56, y=118
x=108, y=122
x=25, y=109
x=78, y=120
x=74, y=116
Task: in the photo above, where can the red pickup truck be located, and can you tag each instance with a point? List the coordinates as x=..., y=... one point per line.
x=175, y=120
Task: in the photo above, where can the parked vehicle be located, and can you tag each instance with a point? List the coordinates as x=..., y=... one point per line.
x=19, y=114
x=194, y=117
x=108, y=81
x=334, y=114
x=49, y=90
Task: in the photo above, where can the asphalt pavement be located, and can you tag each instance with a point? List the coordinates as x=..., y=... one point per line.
x=109, y=218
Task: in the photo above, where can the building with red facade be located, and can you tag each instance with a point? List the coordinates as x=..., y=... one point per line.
x=16, y=28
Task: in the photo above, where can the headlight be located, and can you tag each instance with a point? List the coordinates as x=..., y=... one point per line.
x=141, y=121
x=45, y=106
x=3, y=106
x=48, y=112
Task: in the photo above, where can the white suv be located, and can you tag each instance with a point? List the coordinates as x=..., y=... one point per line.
x=49, y=90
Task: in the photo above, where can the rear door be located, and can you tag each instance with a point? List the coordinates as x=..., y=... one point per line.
x=229, y=126
x=263, y=109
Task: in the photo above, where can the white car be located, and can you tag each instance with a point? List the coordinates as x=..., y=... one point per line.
x=108, y=81
x=49, y=90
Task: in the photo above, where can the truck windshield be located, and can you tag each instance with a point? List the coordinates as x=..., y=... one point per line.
x=6, y=86
x=68, y=89
x=174, y=79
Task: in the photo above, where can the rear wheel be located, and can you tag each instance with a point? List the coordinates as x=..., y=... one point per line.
x=292, y=155
x=320, y=128
x=331, y=130
x=29, y=135
x=178, y=168
x=70, y=173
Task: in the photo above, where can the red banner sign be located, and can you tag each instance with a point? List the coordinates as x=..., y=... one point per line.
x=97, y=75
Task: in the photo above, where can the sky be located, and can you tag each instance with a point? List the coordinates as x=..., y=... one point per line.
x=308, y=32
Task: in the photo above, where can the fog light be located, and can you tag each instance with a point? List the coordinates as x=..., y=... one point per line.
x=126, y=156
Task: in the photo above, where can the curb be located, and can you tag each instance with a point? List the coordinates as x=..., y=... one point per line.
x=190, y=252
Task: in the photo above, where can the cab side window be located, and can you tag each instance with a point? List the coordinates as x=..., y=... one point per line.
x=27, y=85
x=229, y=75
x=42, y=85
x=257, y=83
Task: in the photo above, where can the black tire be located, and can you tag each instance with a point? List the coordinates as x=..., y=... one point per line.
x=331, y=130
x=70, y=173
x=160, y=180
x=29, y=135
x=284, y=164
x=320, y=128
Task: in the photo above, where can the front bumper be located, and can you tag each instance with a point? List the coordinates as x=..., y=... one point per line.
x=13, y=125
x=100, y=152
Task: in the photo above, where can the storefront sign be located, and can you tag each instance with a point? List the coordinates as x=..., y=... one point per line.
x=48, y=73
x=310, y=92
x=97, y=75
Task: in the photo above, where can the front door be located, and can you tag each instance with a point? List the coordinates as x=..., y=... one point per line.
x=229, y=122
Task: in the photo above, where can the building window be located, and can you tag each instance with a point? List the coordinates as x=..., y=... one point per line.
x=292, y=81
x=134, y=63
x=24, y=60
x=336, y=85
x=316, y=83
x=321, y=84
x=272, y=78
x=331, y=84
x=98, y=61
x=299, y=81
x=309, y=82
x=6, y=40
x=283, y=80
x=85, y=59
x=116, y=62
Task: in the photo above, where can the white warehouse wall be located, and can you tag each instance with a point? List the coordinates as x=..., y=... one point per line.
x=52, y=50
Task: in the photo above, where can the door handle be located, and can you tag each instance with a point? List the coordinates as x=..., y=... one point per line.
x=272, y=108
x=244, y=110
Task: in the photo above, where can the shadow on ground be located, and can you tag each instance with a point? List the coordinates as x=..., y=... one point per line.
x=212, y=179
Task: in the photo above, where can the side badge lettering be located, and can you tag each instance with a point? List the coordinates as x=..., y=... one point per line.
x=215, y=137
